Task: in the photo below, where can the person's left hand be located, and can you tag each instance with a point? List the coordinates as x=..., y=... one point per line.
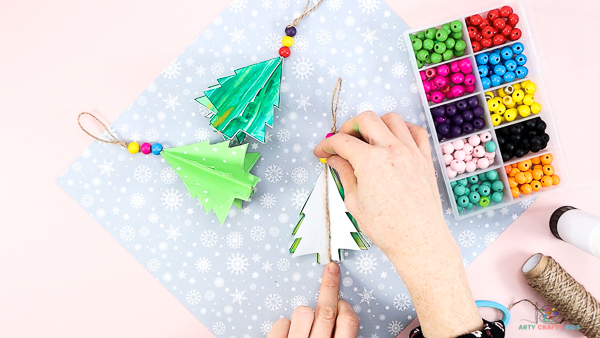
x=331, y=318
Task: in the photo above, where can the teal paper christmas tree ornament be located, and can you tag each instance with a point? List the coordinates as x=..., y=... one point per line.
x=242, y=104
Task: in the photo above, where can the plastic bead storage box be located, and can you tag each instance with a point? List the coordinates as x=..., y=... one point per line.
x=487, y=108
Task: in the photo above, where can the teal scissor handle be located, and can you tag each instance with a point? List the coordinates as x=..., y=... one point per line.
x=498, y=306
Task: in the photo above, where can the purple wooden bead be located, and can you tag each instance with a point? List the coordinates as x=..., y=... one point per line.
x=440, y=137
x=468, y=115
x=450, y=110
x=436, y=124
x=440, y=119
x=478, y=123
x=290, y=31
x=478, y=111
x=457, y=119
x=438, y=111
x=467, y=128
x=456, y=131
x=461, y=105
x=473, y=101
x=444, y=128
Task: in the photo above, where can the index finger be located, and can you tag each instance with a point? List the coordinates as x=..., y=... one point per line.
x=327, y=304
x=348, y=147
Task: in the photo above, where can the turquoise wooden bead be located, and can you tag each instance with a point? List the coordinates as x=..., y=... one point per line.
x=497, y=197
x=484, y=201
x=497, y=186
x=469, y=206
x=460, y=190
x=453, y=184
x=460, y=209
x=482, y=177
x=492, y=175
x=474, y=197
x=487, y=184
x=473, y=179
x=490, y=146
x=475, y=187
x=484, y=190
x=462, y=182
x=462, y=201
x=157, y=148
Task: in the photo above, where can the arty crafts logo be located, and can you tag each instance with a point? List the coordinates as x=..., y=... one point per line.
x=546, y=318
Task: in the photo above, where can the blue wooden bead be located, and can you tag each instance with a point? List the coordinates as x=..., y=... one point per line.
x=511, y=65
x=499, y=70
x=157, y=148
x=483, y=70
x=521, y=72
x=509, y=77
x=506, y=53
x=482, y=59
x=518, y=48
x=496, y=80
x=494, y=58
x=486, y=83
x=521, y=59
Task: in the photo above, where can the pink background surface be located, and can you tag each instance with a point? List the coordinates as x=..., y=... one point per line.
x=62, y=275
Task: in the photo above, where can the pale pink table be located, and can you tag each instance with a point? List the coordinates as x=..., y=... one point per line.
x=62, y=275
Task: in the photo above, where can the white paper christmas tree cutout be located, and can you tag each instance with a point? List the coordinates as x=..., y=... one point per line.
x=313, y=234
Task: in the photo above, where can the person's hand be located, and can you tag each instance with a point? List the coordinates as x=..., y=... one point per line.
x=331, y=318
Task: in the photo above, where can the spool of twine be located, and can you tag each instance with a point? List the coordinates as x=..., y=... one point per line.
x=563, y=292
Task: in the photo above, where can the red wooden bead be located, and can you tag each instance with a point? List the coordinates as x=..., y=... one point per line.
x=505, y=11
x=475, y=19
x=487, y=32
x=493, y=15
x=499, y=24
x=284, y=51
x=515, y=34
x=478, y=37
x=506, y=30
x=472, y=31
x=476, y=46
x=498, y=39
x=484, y=22
x=487, y=43
x=513, y=19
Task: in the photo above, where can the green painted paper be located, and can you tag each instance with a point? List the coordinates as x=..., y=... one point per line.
x=242, y=104
x=215, y=174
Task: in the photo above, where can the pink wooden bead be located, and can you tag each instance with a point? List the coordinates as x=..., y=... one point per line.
x=448, y=158
x=490, y=156
x=468, y=149
x=479, y=151
x=460, y=155
x=440, y=81
x=427, y=86
x=443, y=70
x=470, y=79
x=468, y=158
x=430, y=72
x=458, y=90
x=329, y=135
x=458, y=166
x=492, y=161
x=465, y=66
x=451, y=173
x=470, y=89
x=485, y=137
x=474, y=140
x=428, y=95
x=146, y=148
x=449, y=95
x=483, y=163
x=458, y=144
x=454, y=67
x=448, y=148
x=423, y=76
x=471, y=167
x=457, y=78
x=437, y=97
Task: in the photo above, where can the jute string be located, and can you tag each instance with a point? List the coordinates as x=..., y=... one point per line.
x=115, y=140
x=571, y=299
x=335, y=98
x=305, y=12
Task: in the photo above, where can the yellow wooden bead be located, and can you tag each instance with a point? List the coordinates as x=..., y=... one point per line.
x=518, y=96
x=517, y=86
x=133, y=147
x=323, y=160
x=489, y=95
x=501, y=109
x=536, y=108
x=511, y=114
x=501, y=92
x=287, y=41
x=524, y=110
x=529, y=88
x=508, y=101
x=496, y=119
x=528, y=99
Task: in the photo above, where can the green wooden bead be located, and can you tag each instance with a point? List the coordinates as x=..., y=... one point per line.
x=492, y=175
x=462, y=201
x=428, y=59
x=430, y=33
x=446, y=27
x=450, y=42
x=456, y=35
x=474, y=197
x=422, y=55
x=490, y=146
x=459, y=53
x=456, y=26
x=421, y=35
x=463, y=182
x=439, y=47
x=460, y=45
x=417, y=44
x=484, y=190
x=469, y=206
x=497, y=197
x=412, y=36
x=484, y=201
x=428, y=44
x=475, y=187
x=448, y=54
x=473, y=179
x=420, y=64
x=460, y=190
x=436, y=58
x=441, y=35
x=498, y=186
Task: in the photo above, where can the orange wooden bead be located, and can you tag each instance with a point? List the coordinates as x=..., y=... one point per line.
x=546, y=181
x=538, y=166
x=514, y=165
x=526, y=189
x=515, y=192
x=521, y=178
x=512, y=182
x=514, y=172
x=555, y=180
x=548, y=170
x=524, y=165
x=507, y=169
x=536, y=160
x=547, y=159
x=536, y=185
x=537, y=174
x=528, y=177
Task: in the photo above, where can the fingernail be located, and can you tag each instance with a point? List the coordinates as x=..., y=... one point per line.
x=333, y=268
x=329, y=150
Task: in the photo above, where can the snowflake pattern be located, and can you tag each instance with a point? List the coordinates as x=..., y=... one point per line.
x=223, y=269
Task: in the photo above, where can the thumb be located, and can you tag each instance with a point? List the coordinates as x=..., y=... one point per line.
x=346, y=173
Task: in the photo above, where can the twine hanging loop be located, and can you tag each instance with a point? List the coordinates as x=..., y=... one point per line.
x=306, y=11
x=114, y=140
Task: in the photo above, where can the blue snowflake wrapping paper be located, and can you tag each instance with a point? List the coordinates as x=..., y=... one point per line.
x=237, y=279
